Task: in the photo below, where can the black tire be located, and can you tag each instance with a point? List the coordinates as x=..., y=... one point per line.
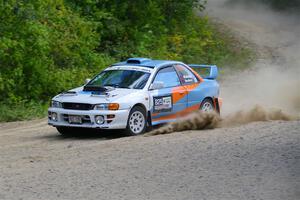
x=138, y=115
x=207, y=105
x=65, y=131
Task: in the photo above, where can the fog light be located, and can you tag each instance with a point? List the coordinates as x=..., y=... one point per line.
x=54, y=116
x=99, y=119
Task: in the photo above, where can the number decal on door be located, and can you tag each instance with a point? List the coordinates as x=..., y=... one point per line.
x=162, y=104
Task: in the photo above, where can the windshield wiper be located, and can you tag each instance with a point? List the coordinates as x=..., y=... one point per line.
x=117, y=86
x=112, y=85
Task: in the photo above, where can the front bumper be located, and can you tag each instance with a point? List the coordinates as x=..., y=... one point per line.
x=119, y=121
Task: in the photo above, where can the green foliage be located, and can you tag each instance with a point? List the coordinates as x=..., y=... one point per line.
x=51, y=46
x=36, y=39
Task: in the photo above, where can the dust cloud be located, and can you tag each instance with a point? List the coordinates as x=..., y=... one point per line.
x=270, y=89
x=256, y=114
x=274, y=80
x=195, y=121
x=203, y=120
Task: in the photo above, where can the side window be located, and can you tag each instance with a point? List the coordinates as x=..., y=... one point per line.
x=168, y=76
x=185, y=75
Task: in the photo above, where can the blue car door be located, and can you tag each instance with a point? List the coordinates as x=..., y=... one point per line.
x=194, y=87
x=170, y=100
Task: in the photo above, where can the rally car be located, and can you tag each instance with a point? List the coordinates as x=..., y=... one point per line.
x=136, y=94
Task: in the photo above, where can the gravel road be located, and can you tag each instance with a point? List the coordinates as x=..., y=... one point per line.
x=256, y=161
x=259, y=160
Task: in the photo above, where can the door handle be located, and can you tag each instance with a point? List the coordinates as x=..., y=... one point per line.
x=181, y=93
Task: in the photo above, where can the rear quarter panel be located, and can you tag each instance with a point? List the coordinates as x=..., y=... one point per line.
x=207, y=88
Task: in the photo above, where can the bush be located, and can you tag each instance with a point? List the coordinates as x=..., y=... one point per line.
x=39, y=38
x=51, y=46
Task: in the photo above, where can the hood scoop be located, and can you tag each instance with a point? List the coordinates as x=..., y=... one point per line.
x=92, y=88
x=98, y=90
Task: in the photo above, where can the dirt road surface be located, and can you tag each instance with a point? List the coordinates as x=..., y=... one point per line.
x=257, y=161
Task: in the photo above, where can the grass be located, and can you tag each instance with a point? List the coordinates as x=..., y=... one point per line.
x=22, y=111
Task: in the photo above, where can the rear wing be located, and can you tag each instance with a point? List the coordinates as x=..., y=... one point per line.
x=206, y=71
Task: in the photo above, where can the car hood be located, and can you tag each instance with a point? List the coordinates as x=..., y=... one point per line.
x=77, y=95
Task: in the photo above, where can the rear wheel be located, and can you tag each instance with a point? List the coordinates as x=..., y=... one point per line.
x=207, y=105
x=137, y=122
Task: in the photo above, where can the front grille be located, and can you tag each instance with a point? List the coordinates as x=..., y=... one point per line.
x=77, y=106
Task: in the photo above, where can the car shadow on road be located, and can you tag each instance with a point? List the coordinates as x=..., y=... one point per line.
x=90, y=134
x=86, y=135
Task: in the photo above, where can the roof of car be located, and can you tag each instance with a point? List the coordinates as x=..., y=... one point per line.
x=145, y=62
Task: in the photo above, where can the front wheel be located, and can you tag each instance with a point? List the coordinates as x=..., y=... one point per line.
x=137, y=122
x=207, y=105
x=65, y=131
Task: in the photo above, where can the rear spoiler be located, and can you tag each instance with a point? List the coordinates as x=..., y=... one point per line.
x=206, y=71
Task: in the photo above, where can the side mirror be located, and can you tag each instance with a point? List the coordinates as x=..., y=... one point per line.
x=87, y=80
x=157, y=85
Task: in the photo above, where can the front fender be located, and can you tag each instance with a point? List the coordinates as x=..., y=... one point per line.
x=131, y=100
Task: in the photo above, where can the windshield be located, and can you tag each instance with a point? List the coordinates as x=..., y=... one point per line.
x=121, y=79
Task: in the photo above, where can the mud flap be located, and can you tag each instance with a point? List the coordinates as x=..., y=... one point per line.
x=218, y=104
x=149, y=122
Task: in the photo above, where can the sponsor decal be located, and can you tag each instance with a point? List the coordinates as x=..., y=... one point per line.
x=162, y=104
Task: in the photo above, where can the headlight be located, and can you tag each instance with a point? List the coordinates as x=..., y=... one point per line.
x=107, y=106
x=56, y=104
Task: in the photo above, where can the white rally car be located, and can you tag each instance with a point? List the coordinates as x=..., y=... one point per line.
x=136, y=94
